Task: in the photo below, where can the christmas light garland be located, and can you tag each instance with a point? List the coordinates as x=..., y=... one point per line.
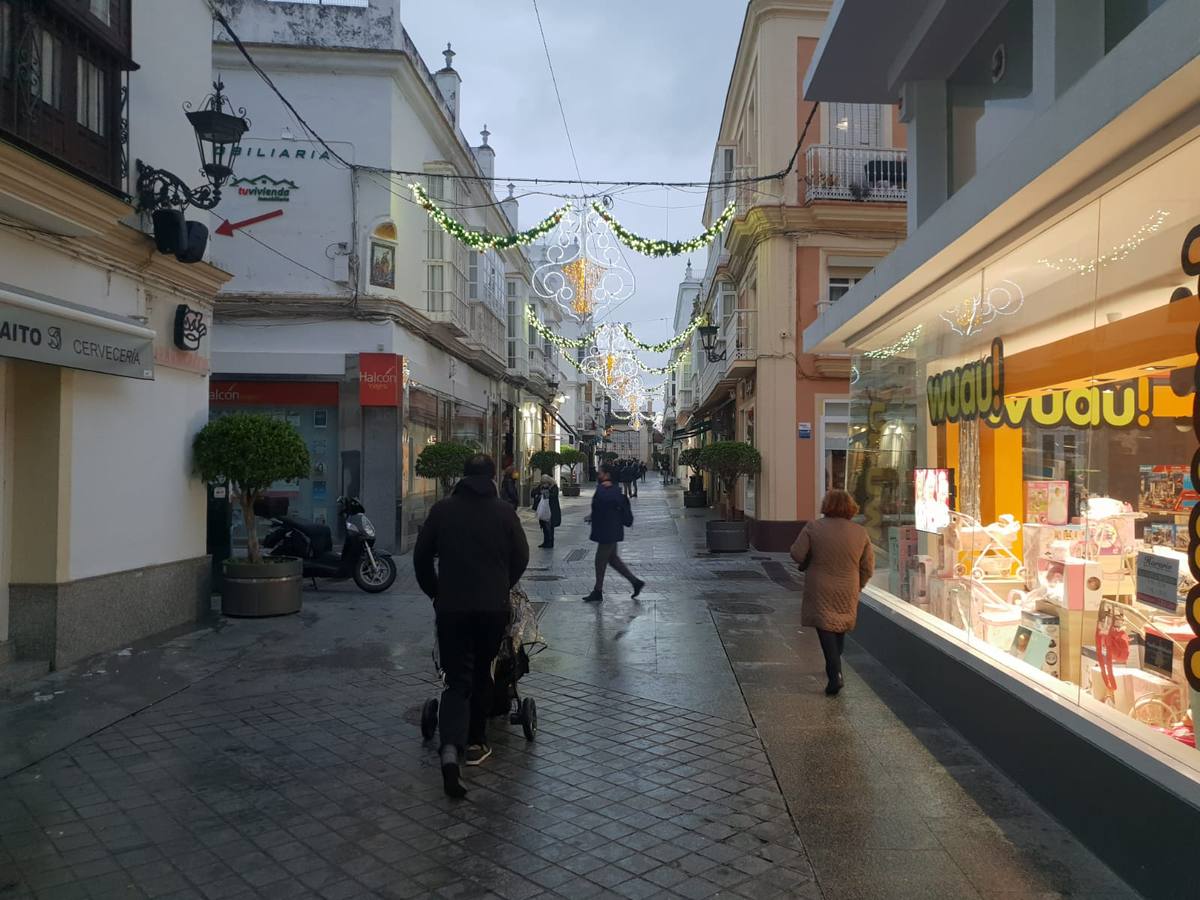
x=483, y=240
x=586, y=340
x=648, y=247
x=669, y=343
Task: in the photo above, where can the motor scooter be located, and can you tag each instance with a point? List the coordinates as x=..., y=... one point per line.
x=373, y=571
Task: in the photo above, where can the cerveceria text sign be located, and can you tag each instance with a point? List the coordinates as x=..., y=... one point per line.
x=40, y=336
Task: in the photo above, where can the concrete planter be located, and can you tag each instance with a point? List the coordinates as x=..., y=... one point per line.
x=692, y=500
x=269, y=588
x=570, y=490
x=727, y=537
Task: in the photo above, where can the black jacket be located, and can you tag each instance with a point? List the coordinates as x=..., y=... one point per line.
x=608, y=508
x=555, y=509
x=509, y=490
x=479, y=545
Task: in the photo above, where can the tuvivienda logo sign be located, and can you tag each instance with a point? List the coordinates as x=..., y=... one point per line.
x=265, y=188
x=380, y=379
x=976, y=390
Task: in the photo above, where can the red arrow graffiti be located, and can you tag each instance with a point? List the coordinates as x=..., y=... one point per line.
x=227, y=228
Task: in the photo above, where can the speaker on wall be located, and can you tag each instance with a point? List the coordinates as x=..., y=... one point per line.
x=194, y=246
x=170, y=231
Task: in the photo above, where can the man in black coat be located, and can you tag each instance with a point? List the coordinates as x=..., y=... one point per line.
x=481, y=551
x=610, y=514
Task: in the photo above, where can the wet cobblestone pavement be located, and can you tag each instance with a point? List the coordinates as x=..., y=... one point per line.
x=685, y=750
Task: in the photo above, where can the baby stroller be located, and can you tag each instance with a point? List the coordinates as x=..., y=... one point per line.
x=521, y=641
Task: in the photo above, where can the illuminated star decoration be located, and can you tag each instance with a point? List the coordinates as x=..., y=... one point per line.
x=973, y=314
x=584, y=277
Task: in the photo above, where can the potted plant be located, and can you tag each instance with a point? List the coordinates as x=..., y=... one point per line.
x=570, y=457
x=444, y=462
x=544, y=461
x=728, y=461
x=695, y=496
x=249, y=453
x=608, y=456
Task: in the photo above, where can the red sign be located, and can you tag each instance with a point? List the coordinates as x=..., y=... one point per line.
x=273, y=393
x=379, y=379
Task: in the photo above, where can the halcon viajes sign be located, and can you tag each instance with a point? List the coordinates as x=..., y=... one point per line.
x=32, y=329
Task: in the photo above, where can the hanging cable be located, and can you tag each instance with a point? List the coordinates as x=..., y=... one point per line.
x=554, y=80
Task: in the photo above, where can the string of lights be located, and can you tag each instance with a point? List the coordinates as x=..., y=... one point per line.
x=483, y=240
x=661, y=248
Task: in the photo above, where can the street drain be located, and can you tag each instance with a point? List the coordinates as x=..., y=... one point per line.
x=543, y=578
x=576, y=555
x=741, y=608
x=739, y=574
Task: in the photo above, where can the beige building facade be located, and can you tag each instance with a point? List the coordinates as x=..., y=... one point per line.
x=795, y=245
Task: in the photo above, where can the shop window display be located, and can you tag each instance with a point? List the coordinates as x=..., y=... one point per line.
x=1021, y=448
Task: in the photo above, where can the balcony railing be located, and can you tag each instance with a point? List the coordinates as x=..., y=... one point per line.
x=738, y=332
x=450, y=310
x=867, y=174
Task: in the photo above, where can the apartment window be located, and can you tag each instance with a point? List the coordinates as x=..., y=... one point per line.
x=855, y=125
x=839, y=286
x=437, y=187
x=49, y=86
x=102, y=10
x=436, y=283
x=473, y=275
x=510, y=290
x=436, y=243
x=90, y=91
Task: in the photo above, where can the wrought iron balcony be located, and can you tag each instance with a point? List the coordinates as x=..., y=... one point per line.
x=864, y=174
x=62, y=83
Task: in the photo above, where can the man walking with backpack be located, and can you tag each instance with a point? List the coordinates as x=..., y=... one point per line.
x=481, y=551
x=611, y=515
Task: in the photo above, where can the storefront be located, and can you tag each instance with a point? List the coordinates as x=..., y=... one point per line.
x=1022, y=445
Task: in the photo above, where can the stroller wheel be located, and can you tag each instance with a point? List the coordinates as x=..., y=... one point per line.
x=529, y=723
x=429, y=719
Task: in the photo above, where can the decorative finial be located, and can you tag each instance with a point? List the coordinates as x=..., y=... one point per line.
x=511, y=187
x=449, y=54
x=485, y=134
x=688, y=275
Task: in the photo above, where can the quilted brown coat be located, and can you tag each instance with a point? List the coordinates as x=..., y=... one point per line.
x=841, y=562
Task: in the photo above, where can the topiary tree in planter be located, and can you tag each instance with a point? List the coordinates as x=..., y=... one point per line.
x=694, y=497
x=608, y=455
x=250, y=452
x=570, y=457
x=544, y=461
x=728, y=461
x=443, y=461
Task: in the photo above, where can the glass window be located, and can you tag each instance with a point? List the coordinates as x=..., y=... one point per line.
x=437, y=187
x=1021, y=443
x=855, y=125
x=839, y=286
x=990, y=95
x=49, y=84
x=89, y=96
x=101, y=9
x=473, y=275
x=1122, y=16
x=436, y=243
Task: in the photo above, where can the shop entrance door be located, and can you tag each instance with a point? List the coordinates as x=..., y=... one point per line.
x=6, y=457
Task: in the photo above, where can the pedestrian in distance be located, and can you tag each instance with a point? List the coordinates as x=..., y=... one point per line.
x=611, y=515
x=621, y=475
x=510, y=490
x=838, y=561
x=642, y=471
x=481, y=551
x=547, y=491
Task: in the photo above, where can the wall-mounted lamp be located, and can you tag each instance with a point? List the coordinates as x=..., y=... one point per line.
x=164, y=195
x=708, y=340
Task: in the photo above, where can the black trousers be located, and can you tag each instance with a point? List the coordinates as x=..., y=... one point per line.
x=832, y=643
x=467, y=644
x=606, y=555
x=547, y=533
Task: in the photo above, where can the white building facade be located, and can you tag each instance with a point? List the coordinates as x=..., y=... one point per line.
x=102, y=524
x=345, y=281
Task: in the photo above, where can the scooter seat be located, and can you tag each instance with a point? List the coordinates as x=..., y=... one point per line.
x=319, y=536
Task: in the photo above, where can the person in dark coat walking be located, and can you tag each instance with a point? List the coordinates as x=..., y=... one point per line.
x=481, y=551
x=509, y=489
x=642, y=471
x=549, y=490
x=611, y=512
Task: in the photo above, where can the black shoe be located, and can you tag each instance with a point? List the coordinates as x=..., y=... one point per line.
x=834, y=686
x=593, y=597
x=638, y=584
x=541, y=546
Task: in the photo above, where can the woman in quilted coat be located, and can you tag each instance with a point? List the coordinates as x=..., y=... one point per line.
x=838, y=560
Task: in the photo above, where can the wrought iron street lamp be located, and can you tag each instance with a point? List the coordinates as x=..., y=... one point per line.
x=219, y=130
x=708, y=340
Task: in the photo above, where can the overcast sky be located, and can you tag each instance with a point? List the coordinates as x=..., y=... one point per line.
x=643, y=83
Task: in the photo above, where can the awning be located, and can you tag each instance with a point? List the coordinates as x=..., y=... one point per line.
x=47, y=330
x=681, y=434
x=561, y=421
